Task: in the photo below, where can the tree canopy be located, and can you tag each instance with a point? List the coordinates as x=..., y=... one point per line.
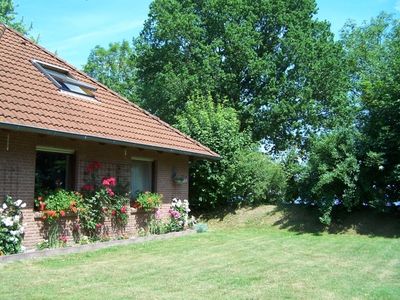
x=278, y=66
x=8, y=16
x=237, y=74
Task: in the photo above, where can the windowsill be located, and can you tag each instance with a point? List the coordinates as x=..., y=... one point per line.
x=39, y=214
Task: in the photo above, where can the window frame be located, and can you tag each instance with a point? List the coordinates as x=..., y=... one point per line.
x=152, y=176
x=70, y=167
x=57, y=74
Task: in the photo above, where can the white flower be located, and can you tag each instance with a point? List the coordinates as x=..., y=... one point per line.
x=18, y=202
x=14, y=232
x=16, y=218
x=8, y=221
x=381, y=168
x=4, y=206
x=23, y=248
x=23, y=205
x=21, y=230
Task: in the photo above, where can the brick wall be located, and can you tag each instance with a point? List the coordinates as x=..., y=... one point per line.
x=17, y=173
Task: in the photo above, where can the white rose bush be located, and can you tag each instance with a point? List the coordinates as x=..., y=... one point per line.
x=11, y=229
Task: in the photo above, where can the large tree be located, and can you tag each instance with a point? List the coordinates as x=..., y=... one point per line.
x=373, y=52
x=278, y=66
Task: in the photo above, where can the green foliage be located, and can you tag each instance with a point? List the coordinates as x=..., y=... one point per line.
x=149, y=201
x=235, y=177
x=8, y=16
x=373, y=52
x=278, y=66
x=332, y=171
x=62, y=200
x=114, y=67
x=256, y=178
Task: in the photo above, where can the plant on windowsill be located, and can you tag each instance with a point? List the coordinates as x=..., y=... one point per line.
x=148, y=201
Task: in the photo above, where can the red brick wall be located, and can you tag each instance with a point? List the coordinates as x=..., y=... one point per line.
x=17, y=172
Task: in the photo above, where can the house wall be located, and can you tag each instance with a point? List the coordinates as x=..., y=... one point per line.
x=17, y=174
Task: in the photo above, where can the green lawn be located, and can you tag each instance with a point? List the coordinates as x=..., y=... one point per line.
x=246, y=256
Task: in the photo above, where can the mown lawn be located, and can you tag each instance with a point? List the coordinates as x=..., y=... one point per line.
x=245, y=256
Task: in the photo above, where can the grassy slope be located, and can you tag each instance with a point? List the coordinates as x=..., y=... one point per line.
x=245, y=256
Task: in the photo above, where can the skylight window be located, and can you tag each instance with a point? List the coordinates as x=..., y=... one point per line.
x=64, y=80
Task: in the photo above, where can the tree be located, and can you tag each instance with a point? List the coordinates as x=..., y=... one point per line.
x=242, y=174
x=332, y=171
x=114, y=67
x=8, y=17
x=373, y=52
x=278, y=66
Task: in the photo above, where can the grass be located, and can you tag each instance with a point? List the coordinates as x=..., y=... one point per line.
x=264, y=253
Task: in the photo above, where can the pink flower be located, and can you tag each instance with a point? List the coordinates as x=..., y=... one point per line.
x=175, y=214
x=123, y=209
x=113, y=213
x=110, y=181
x=110, y=192
x=98, y=225
x=158, y=214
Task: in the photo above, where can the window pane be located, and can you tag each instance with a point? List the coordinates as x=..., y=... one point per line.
x=141, y=180
x=51, y=171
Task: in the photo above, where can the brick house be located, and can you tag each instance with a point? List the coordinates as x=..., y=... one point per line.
x=54, y=120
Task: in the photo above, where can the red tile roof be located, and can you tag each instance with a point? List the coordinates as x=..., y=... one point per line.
x=30, y=101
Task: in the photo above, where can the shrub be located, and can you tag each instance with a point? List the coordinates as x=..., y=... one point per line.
x=179, y=215
x=255, y=178
x=201, y=227
x=11, y=229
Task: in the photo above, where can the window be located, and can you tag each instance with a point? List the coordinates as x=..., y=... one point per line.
x=64, y=80
x=54, y=169
x=142, y=177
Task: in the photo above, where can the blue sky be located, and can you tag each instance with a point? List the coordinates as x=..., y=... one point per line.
x=74, y=27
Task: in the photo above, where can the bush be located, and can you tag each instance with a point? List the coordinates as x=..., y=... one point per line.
x=11, y=229
x=255, y=178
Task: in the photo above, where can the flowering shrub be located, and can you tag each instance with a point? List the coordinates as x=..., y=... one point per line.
x=179, y=215
x=11, y=230
x=101, y=198
x=178, y=218
x=149, y=201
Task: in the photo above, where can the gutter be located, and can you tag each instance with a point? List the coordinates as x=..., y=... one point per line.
x=90, y=138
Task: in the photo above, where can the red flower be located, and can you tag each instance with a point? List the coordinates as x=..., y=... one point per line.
x=88, y=187
x=40, y=198
x=62, y=213
x=92, y=166
x=123, y=209
x=113, y=213
x=98, y=225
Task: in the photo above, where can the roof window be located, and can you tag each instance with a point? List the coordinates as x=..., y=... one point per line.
x=64, y=80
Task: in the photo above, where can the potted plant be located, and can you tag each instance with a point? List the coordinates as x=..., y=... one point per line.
x=149, y=201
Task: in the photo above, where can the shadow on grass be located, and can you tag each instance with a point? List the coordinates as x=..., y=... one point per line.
x=363, y=221
x=216, y=214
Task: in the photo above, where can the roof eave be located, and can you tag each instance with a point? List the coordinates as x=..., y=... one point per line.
x=51, y=132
